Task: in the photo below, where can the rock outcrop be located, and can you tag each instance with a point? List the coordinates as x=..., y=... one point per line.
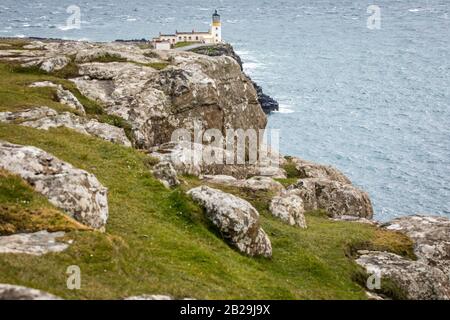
x=413, y=280
x=187, y=159
x=336, y=198
x=45, y=118
x=308, y=169
x=75, y=191
x=429, y=276
x=64, y=96
x=12, y=292
x=37, y=243
x=268, y=104
x=236, y=219
x=431, y=237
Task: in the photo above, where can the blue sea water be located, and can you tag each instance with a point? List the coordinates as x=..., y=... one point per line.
x=374, y=103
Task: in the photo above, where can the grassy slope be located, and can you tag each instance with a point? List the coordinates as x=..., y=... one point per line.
x=158, y=241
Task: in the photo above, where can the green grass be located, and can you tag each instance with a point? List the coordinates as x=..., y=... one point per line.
x=156, y=65
x=108, y=57
x=23, y=210
x=184, y=44
x=158, y=241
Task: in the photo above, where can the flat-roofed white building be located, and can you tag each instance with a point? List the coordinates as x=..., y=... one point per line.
x=214, y=35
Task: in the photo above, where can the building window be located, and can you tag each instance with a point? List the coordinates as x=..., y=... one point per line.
x=179, y=38
x=217, y=28
x=189, y=38
x=196, y=38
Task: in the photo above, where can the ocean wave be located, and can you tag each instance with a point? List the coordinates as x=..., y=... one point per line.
x=285, y=108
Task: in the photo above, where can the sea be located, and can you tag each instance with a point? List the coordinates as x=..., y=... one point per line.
x=363, y=85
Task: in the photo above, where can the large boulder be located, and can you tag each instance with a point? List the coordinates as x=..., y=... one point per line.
x=338, y=199
x=259, y=183
x=236, y=219
x=73, y=190
x=55, y=63
x=37, y=243
x=12, y=292
x=289, y=208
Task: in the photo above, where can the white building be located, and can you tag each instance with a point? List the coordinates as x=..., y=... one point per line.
x=214, y=35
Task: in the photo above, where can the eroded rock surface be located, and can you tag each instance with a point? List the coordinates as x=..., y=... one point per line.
x=37, y=243
x=45, y=118
x=337, y=198
x=236, y=219
x=73, y=190
x=64, y=96
x=290, y=209
x=13, y=292
x=415, y=280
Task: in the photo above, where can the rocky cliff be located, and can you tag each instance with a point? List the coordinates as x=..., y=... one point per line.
x=85, y=132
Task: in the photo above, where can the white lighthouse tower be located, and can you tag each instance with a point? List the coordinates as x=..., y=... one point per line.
x=216, y=28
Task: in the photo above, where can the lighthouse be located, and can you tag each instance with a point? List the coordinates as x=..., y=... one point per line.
x=216, y=28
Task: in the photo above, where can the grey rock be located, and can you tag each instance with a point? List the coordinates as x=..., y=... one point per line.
x=259, y=183
x=165, y=172
x=64, y=96
x=45, y=118
x=13, y=292
x=290, y=209
x=55, y=63
x=416, y=280
x=337, y=198
x=75, y=191
x=37, y=243
x=27, y=114
x=431, y=237
x=309, y=169
x=236, y=219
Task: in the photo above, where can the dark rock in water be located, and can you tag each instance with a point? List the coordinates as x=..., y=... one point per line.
x=267, y=103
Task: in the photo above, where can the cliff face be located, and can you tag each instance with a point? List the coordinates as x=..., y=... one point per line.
x=268, y=104
x=156, y=91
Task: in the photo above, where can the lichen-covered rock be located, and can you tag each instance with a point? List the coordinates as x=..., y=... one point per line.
x=165, y=173
x=45, y=118
x=27, y=114
x=289, y=208
x=414, y=279
x=67, y=98
x=12, y=292
x=213, y=91
x=187, y=159
x=221, y=179
x=64, y=96
x=431, y=237
x=259, y=183
x=309, y=169
x=337, y=198
x=236, y=219
x=75, y=191
x=55, y=63
x=37, y=243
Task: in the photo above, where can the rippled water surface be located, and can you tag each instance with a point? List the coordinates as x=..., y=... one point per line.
x=374, y=103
